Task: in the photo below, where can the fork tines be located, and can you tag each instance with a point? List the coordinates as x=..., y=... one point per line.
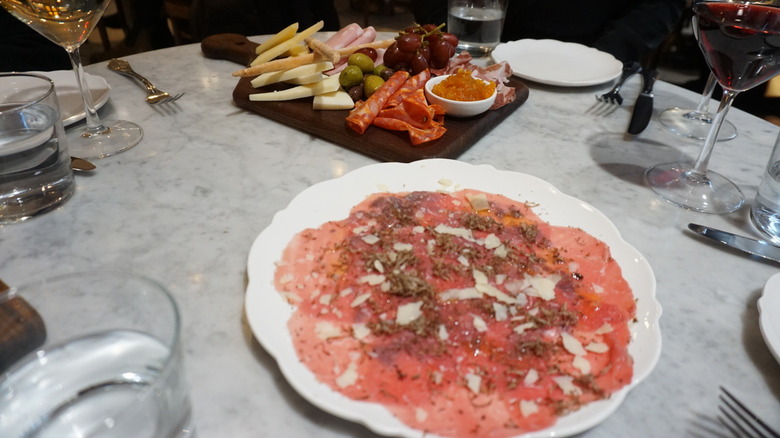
x=740, y=420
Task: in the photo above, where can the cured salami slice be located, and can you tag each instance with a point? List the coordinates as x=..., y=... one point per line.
x=361, y=117
x=416, y=82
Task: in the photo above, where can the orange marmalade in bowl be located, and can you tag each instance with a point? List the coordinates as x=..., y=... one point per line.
x=463, y=87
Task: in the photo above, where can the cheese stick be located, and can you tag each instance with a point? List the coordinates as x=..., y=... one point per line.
x=295, y=61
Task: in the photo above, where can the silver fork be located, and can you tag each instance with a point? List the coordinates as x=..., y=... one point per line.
x=740, y=420
x=153, y=94
x=612, y=98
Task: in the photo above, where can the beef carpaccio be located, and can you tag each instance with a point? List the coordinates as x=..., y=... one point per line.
x=462, y=313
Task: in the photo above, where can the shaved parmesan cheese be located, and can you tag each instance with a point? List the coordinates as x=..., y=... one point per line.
x=598, y=289
x=478, y=201
x=581, y=364
x=572, y=344
x=459, y=232
x=370, y=239
x=420, y=414
x=326, y=330
x=597, y=347
x=360, y=299
x=486, y=288
x=348, y=377
x=398, y=246
x=543, y=287
x=520, y=329
x=460, y=294
x=408, y=312
x=528, y=407
x=326, y=299
x=500, y=311
x=286, y=278
x=463, y=260
x=372, y=279
x=443, y=335
x=473, y=382
x=479, y=324
x=566, y=383
x=492, y=241
x=604, y=329
x=360, y=331
x=531, y=377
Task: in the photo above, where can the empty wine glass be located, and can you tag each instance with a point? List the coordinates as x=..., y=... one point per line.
x=695, y=123
x=68, y=24
x=741, y=44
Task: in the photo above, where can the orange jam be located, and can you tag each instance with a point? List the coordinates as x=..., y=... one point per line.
x=463, y=87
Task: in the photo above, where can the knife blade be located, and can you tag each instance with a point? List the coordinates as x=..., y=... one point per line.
x=746, y=244
x=643, y=108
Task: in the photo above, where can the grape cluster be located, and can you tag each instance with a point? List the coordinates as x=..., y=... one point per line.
x=419, y=47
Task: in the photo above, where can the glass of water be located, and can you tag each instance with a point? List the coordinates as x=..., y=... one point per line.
x=765, y=211
x=96, y=354
x=35, y=173
x=477, y=24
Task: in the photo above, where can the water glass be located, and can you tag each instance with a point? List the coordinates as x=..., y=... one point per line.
x=477, y=24
x=35, y=172
x=99, y=356
x=765, y=211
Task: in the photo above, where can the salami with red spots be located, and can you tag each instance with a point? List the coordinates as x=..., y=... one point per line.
x=361, y=117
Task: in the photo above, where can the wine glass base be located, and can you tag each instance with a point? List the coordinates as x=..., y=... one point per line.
x=712, y=194
x=684, y=122
x=119, y=136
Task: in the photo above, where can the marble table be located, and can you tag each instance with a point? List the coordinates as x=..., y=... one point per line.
x=185, y=205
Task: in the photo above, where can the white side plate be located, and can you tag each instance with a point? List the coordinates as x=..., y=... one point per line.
x=69, y=96
x=769, y=314
x=267, y=312
x=557, y=63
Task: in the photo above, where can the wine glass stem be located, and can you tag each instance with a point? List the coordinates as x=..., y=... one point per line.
x=94, y=125
x=706, y=95
x=699, y=171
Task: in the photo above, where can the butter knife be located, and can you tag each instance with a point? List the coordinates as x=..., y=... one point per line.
x=746, y=244
x=643, y=108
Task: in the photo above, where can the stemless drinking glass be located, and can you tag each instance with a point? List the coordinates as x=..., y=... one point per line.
x=68, y=24
x=477, y=24
x=92, y=354
x=696, y=123
x=35, y=173
x=741, y=44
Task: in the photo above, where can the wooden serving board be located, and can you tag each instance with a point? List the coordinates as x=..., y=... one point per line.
x=377, y=143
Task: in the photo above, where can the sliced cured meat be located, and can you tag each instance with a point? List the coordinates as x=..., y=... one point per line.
x=416, y=82
x=364, y=113
x=463, y=314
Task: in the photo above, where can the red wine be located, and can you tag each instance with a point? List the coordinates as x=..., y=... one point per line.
x=741, y=42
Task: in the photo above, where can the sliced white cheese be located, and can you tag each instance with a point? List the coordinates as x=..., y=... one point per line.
x=325, y=86
x=360, y=299
x=370, y=239
x=348, y=377
x=501, y=311
x=372, y=279
x=306, y=79
x=442, y=333
x=604, y=329
x=478, y=201
x=399, y=246
x=543, y=287
x=408, y=312
x=481, y=284
x=293, y=73
x=460, y=294
x=360, y=331
x=335, y=100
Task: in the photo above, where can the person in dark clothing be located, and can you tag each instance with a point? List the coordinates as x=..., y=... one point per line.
x=258, y=17
x=23, y=49
x=628, y=29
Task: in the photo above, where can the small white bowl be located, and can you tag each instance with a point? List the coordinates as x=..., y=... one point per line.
x=457, y=108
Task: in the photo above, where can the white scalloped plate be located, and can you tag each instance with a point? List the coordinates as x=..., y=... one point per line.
x=558, y=63
x=268, y=313
x=769, y=313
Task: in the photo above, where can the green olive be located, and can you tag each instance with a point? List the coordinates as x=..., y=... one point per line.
x=350, y=76
x=362, y=61
x=371, y=83
x=379, y=69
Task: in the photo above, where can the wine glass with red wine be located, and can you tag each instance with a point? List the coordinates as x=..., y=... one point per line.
x=741, y=44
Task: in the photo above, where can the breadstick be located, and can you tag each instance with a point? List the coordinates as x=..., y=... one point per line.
x=324, y=50
x=295, y=61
